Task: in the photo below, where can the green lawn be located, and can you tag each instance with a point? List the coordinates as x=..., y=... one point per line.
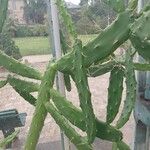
x=40, y=45
x=33, y=45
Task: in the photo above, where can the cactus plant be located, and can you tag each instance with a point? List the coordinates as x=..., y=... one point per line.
x=81, y=62
x=130, y=90
x=8, y=139
x=3, y=83
x=114, y=93
x=83, y=91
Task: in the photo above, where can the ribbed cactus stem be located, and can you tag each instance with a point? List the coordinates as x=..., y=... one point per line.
x=40, y=110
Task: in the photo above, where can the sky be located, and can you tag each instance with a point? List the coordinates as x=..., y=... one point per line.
x=73, y=1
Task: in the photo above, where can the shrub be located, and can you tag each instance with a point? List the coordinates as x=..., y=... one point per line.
x=39, y=30
x=23, y=31
x=86, y=26
x=8, y=46
x=35, y=30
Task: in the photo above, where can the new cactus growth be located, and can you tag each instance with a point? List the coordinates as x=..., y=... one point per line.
x=81, y=62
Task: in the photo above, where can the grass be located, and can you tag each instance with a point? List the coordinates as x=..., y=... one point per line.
x=40, y=45
x=33, y=45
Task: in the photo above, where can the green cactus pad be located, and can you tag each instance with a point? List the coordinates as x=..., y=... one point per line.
x=102, y=46
x=24, y=85
x=80, y=142
x=3, y=83
x=40, y=110
x=22, y=91
x=76, y=117
x=130, y=90
x=15, y=66
x=84, y=92
x=115, y=90
x=140, y=36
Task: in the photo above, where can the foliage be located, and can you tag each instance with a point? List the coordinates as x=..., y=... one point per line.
x=8, y=46
x=23, y=31
x=98, y=55
x=30, y=31
x=6, y=43
x=85, y=26
x=91, y=18
x=35, y=11
x=10, y=27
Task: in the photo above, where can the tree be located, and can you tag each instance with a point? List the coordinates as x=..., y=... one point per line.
x=84, y=2
x=35, y=11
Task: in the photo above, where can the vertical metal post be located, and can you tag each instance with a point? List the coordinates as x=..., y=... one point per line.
x=50, y=28
x=56, y=51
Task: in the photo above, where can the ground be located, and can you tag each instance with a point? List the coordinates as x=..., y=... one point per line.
x=50, y=137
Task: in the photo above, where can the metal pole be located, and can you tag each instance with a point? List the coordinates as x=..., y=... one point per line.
x=50, y=28
x=54, y=20
x=140, y=5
